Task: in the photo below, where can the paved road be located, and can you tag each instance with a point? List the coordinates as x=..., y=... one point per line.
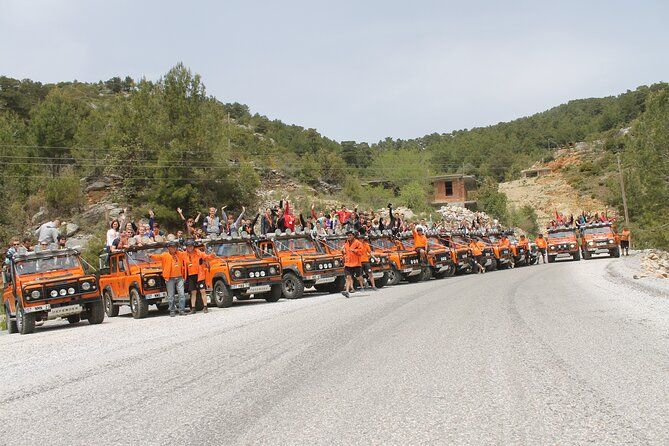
x=542, y=355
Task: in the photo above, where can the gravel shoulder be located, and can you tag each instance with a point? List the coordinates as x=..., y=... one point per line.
x=552, y=353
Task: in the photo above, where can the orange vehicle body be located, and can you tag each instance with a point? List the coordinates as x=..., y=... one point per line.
x=131, y=277
x=380, y=264
x=503, y=255
x=520, y=251
x=562, y=242
x=48, y=285
x=599, y=239
x=439, y=257
x=239, y=270
x=460, y=251
x=404, y=263
x=305, y=264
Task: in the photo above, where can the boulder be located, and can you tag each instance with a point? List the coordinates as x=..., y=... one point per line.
x=97, y=185
x=71, y=229
x=39, y=216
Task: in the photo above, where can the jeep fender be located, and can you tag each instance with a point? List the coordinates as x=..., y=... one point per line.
x=135, y=285
x=292, y=269
x=108, y=288
x=217, y=277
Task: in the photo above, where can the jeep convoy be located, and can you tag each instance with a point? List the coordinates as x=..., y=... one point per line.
x=51, y=284
x=46, y=285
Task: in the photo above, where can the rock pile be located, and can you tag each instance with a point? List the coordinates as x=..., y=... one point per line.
x=458, y=214
x=655, y=263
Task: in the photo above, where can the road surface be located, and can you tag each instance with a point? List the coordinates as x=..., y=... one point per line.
x=550, y=354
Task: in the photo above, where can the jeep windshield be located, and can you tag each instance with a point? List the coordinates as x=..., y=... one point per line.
x=605, y=230
x=234, y=249
x=383, y=243
x=335, y=244
x=560, y=234
x=142, y=256
x=296, y=244
x=434, y=243
x=46, y=265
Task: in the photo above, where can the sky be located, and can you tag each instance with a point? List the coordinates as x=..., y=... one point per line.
x=354, y=70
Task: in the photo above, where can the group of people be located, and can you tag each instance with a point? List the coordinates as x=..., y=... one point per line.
x=584, y=218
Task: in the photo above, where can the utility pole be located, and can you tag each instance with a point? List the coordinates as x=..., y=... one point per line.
x=622, y=190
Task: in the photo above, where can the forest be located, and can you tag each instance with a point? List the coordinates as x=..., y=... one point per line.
x=172, y=144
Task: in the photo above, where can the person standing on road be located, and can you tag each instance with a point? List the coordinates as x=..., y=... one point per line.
x=540, y=241
x=195, y=275
x=174, y=266
x=477, y=256
x=368, y=254
x=352, y=251
x=625, y=241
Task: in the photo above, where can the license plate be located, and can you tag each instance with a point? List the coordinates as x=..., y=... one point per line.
x=44, y=307
x=259, y=289
x=414, y=272
x=64, y=311
x=407, y=270
x=156, y=295
x=377, y=275
x=325, y=280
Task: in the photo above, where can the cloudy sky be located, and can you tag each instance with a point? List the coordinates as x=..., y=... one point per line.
x=361, y=70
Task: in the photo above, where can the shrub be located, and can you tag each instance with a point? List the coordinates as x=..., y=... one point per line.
x=63, y=195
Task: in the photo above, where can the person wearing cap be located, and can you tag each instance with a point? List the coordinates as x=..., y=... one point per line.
x=420, y=242
x=352, y=251
x=173, y=263
x=477, y=256
x=195, y=274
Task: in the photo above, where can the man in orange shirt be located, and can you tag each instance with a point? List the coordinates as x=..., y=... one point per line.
x=420, y=243
x=540, y=241
x=477, y=256
x=174, y=264
x=352, y=251
x=625, y=241
x=195, y=274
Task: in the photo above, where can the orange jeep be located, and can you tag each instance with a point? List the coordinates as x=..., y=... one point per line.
x=503, y=256
x=562, y=242
x=404, y=264
x=131, y=277
x=460, y=252
x=598, y=238
x=305, y=263
x=240, y=270
x=41, y=286
x=521, y=254
x=380, y=265
x=439, y=257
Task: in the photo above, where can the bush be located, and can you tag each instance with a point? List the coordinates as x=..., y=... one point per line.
x=493, y=202
x=524, y=218
x=376, y=197
x=414, y=196
x=63, y=195
x=352, y=189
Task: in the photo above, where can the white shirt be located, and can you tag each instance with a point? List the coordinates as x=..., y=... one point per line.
x=112, y=234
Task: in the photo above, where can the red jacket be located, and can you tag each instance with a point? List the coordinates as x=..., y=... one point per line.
x=352, y=253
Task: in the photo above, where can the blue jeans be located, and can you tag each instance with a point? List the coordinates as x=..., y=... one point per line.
x=177, y=282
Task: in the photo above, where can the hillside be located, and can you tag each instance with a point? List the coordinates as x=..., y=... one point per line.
x=167, y=143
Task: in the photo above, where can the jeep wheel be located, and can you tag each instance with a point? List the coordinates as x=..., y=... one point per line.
x=138, y=305
x=338, y=285
x=275, y=294
x=221, y=295
x=394, y=276
x=25, y=322
x=551, y=259
x=586, y=255
x=74, y=318
x=415, y=279
x=11, y=323
x=615, y=252
x=110, y=308
x=96, y=313
x=381, y=281
x=576, y=255
x=426, y=274
x=293, y=287
x=492, y=267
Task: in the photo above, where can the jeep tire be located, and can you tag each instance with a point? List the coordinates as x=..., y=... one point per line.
x=25, y=322
x=96, y=312
x=292, y=286
x=551, y=259
x=74, y=318
x=586, y=255
x=576, y=256
x=275, y=294
x=394, y=276
x=11, y=323
x=110, y=308
x=615, y=252
x=381, y=281
x=415, y=279
x=139, y=307
x=221, y=296
x=338, y=285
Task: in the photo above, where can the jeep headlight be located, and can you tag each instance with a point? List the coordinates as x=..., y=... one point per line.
x=610, y=240
x=87, y=285
x=336, y=262
x=237, y=273
x=262, y=273
x=70, y=290
x=572, y=245
x=591, y=243
x=53, y=293
x=307, y=266
x=252, y=274
x=272, y=271
x=63, y=292
x=151, y=281
x=35, y=294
